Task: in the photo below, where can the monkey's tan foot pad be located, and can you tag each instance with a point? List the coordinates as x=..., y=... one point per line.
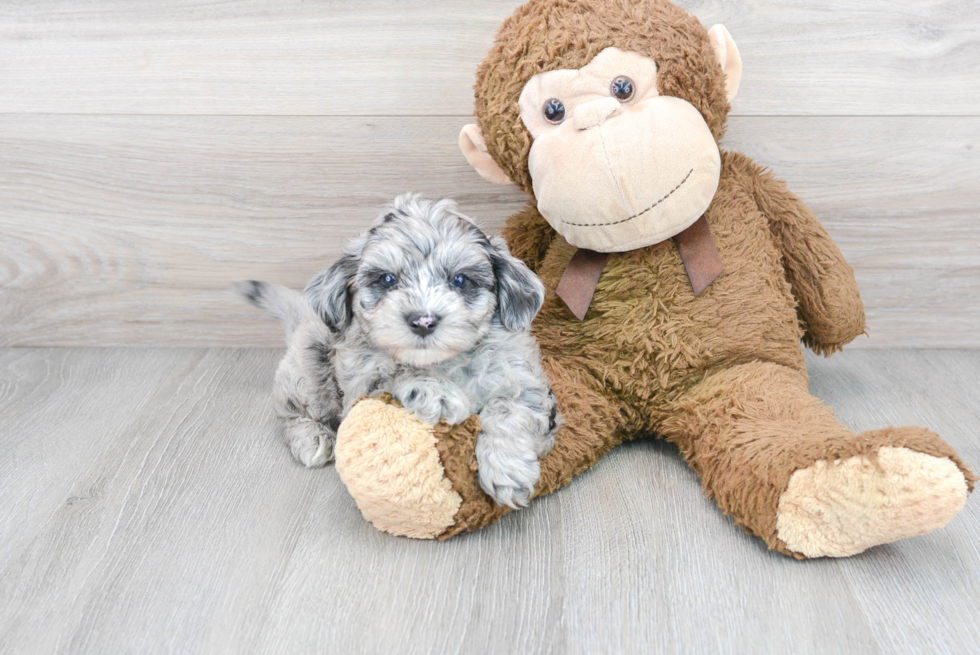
x=840, y=508
x=389, y=461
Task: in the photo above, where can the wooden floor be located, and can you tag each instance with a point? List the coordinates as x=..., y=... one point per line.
x=146, y=506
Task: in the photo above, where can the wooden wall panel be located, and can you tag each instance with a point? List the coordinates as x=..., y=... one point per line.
x=398, y=57
x=129, y=229
x=153, y=152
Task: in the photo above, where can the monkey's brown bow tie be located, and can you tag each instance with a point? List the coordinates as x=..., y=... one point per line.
x=697, y=250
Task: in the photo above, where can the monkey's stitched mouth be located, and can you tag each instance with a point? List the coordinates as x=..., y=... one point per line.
x=660, y=200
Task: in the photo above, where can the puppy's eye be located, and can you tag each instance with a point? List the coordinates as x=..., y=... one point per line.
x=622, y=88
x=388, y=280
x=459, y=281
x=554, y=111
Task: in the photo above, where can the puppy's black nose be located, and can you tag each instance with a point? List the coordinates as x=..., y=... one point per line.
x=423, y=324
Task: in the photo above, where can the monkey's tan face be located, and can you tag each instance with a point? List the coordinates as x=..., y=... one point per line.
x=616, y=166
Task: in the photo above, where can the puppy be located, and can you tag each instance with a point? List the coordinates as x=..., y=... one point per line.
x=428, y=308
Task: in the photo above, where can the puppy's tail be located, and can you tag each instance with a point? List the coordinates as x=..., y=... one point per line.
x=286, y=304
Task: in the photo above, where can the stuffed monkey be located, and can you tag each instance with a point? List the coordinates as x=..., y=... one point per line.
x=680, y=279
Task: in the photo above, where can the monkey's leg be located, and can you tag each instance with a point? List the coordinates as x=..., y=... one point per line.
x=592, y=424
x=778, y=461
x=411, y=479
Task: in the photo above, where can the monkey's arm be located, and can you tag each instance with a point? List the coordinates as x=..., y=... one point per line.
x=528, y=236
x=823, y=283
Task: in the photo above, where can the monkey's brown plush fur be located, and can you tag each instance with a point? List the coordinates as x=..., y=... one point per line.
x=722, y=374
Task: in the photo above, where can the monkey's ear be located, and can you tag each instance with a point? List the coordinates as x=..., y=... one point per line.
x=475, y=150
x=727, y=53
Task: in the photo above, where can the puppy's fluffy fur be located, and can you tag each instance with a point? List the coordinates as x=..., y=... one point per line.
x=428, y=308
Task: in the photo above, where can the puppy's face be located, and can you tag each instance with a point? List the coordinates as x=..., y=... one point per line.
x=425, y=284
x=424, y=290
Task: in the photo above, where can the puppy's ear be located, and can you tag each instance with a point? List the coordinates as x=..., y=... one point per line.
x=329, y=293
x=520, y=293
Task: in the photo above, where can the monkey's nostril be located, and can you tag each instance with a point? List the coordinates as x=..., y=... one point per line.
x=422, y=324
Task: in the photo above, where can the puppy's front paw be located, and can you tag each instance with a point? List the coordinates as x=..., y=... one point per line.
x=431, y=401
x=455, y=409
x=508, y=478
x=310, y=442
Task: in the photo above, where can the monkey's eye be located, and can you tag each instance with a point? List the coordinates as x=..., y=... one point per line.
x=554, y=111
x=388, y=280
x=622, y=88
x=459, y=281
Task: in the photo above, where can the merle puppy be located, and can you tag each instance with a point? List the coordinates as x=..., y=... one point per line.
x=428, y=308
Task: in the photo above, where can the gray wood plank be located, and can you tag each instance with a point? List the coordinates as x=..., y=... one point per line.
x=59, y=412
x=386, y=57
x=202, y=536
x=146, y=221
x=664, y=570
x=128, y=230
x=141, y=554
x=937, y=577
